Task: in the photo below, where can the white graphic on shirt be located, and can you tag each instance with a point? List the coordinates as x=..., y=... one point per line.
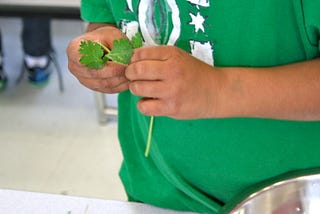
x=202, y=51
x=156, y=34
x=148, y=29
x=197, y=21
x=203, y=3
x=130, y=28
x=129, y=3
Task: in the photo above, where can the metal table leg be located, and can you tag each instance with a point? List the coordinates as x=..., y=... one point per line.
x=104, y=111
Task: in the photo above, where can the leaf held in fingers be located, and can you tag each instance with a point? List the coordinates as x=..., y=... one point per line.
x=93, y=55
x=121, y=52
x=137, y=40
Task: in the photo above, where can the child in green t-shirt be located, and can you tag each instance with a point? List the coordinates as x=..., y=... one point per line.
x=233, y=86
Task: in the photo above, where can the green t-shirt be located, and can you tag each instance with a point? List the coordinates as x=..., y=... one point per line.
x=199, y=165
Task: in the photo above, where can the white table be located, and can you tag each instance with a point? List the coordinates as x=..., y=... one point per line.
x=22, y=202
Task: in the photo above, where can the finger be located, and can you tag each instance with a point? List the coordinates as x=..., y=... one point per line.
x=151, y=107
x=99, y=35
x=110, y=70
x=152, y=53
x=151, y=89
x=105, y=35
x=145, y=70
x=72, y=50
x=117, y=89
x=105, y=85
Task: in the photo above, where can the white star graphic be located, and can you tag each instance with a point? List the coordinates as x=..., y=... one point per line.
x=197, y=21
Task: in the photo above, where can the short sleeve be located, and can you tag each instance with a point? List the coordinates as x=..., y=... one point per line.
x=96, y=11
x=311, y=10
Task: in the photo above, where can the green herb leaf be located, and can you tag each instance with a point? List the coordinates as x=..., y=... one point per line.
x=137, y=40
x=92, y=54
x=121, y=52
x=95, y=55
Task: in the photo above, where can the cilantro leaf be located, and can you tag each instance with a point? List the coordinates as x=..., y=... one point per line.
x=92, y=55
x=137, y=40
x=95, y=55
x=121, y=52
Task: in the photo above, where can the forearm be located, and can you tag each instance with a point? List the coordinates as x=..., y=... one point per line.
x=285, y=92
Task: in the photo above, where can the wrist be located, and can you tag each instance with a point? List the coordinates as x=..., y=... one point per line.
x=230, y=93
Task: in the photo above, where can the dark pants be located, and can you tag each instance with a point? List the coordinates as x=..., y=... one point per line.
x=36, y=36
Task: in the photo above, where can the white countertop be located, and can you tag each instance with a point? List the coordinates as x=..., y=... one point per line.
x=22, y=202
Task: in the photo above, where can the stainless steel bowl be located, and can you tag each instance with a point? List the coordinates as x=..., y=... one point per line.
x=297, y=195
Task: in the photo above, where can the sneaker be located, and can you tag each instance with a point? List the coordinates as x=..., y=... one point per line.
x=3, y=80
x=38, y=76
x=3, y=77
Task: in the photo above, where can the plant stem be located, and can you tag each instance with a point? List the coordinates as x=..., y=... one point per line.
x=146, y=153
x=104, y=47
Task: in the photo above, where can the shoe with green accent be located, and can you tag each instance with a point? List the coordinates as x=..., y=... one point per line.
x=38, y=76
x=3, y=79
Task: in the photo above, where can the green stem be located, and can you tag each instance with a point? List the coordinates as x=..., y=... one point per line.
x=104, y=47
x=146, y=153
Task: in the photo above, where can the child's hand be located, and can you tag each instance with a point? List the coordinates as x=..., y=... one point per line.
x=172, y=83
x=109, y=79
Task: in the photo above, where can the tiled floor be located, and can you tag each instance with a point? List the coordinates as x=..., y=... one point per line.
x=51, y=141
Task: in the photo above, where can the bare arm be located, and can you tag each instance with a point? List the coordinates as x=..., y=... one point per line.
x=177, y=85
x=283, y=92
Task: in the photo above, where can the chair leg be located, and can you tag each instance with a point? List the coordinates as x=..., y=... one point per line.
x=58, y=69
x=104, y=111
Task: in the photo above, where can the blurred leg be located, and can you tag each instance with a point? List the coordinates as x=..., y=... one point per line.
x=36, y=39
x=36, y=36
